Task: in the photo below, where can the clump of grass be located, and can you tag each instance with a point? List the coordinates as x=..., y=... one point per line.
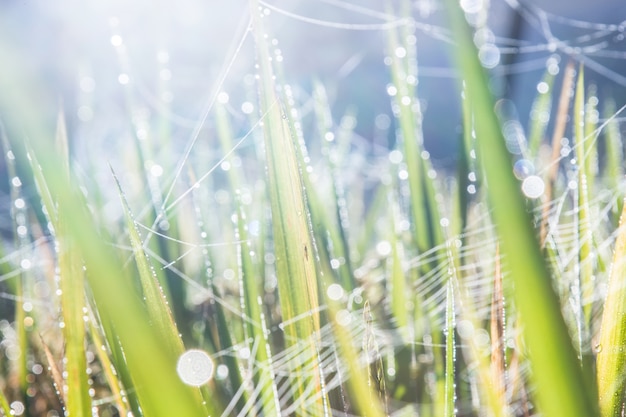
x=437, y=298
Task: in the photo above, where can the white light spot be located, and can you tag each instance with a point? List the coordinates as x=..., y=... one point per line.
x=123, y=79
x=26, y=264
x=400, y=52
x=533, y=187
x=17, y=408
x=343, y=317
x=392, y=90
x=329, y=136
x=221, y=372
x=165, y=74
x=335, y=292
x=471, y=6
x=87, y=84
x=84, y=113
x=395, y=156
x=489, y=55
x=383, y=248
x=406, y=100
x=382, y=121
x=543, y=87
x=116, y=40
x=222, y=97
x=19, y=203
x=16, y=182
x=163, y=57
x=195, y=367
x=156, y=170
x=247, y=107
x=244, y=353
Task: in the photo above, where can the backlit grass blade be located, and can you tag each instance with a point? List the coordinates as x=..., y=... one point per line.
x=613, y=169
x=337, y=230
x=450, y=396
x=72, y=286
x=55, y=373
x=497, y=320
x=585, y=266
x=295, y=265
x=407, y=111
x=398, y=294
x=250, y=288
x=108, y=368
x=21, y=241
x=591, y=116
x=560, y=387
x=156, y=304
x=611, y=357
x=4, y=405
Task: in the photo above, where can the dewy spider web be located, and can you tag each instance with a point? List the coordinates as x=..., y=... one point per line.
x=477, y=244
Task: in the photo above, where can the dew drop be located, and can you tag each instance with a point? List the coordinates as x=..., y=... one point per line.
x=533, y=187
x=195, y=367
x=335, y=292
x=523, y=168
x=489, y=55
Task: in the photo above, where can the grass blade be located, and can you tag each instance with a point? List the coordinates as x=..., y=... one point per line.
x=160, y=315
x=450, y=396
x=295, y=265
x=585, y=266
x=561, y=389
x=611, y=358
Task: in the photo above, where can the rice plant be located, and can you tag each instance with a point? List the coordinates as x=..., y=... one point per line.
x=281, y=265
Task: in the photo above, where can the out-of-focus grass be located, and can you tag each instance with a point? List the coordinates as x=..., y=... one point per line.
x=444, y=294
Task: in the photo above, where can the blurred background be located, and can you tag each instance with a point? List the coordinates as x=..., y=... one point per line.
x=166, y=58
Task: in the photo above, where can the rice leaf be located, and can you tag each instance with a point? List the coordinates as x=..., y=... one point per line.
x=560, y=387
x=611, y=357
x=156, y=304
x=108, y=368
x=57, y=375
x=585, y=265
x=72, y=285
x=4, y=405
x=250, y=289
x=450, y=395
x=295, y=265
x=408, y=114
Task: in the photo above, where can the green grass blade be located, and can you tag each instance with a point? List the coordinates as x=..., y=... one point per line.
x=450, y=395
x=585, y=265
x=611, y=358
x=156, y=304
x=4, y=405
x=614, y=154
x=72, y=285
x=295, y=265
x=108, y=368
x=560, y=387
x=250, y=288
